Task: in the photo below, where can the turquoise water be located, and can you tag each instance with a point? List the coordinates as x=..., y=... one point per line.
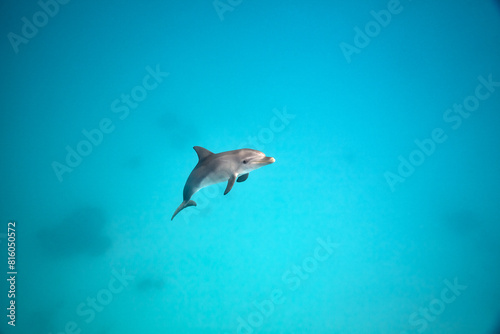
x=380, y=214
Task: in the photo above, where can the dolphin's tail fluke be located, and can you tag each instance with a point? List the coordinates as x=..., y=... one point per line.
x=183, y=205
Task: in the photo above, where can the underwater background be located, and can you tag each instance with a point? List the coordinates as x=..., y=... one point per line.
x=380, y=214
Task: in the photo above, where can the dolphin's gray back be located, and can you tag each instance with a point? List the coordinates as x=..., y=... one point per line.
x=209, y=170
x=193, y=182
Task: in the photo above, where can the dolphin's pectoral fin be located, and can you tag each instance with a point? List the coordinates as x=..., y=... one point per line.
x=242, y=178
x=230, y=184
x=183, y=205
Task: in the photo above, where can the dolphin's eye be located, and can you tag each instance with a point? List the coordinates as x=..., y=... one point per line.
x=245, y=161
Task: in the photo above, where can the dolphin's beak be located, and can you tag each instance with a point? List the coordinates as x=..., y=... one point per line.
x=264, y=161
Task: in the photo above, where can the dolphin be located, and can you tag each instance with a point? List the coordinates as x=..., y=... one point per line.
x=214, y=168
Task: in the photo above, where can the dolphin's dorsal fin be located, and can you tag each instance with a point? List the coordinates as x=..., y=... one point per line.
x=202, y=152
